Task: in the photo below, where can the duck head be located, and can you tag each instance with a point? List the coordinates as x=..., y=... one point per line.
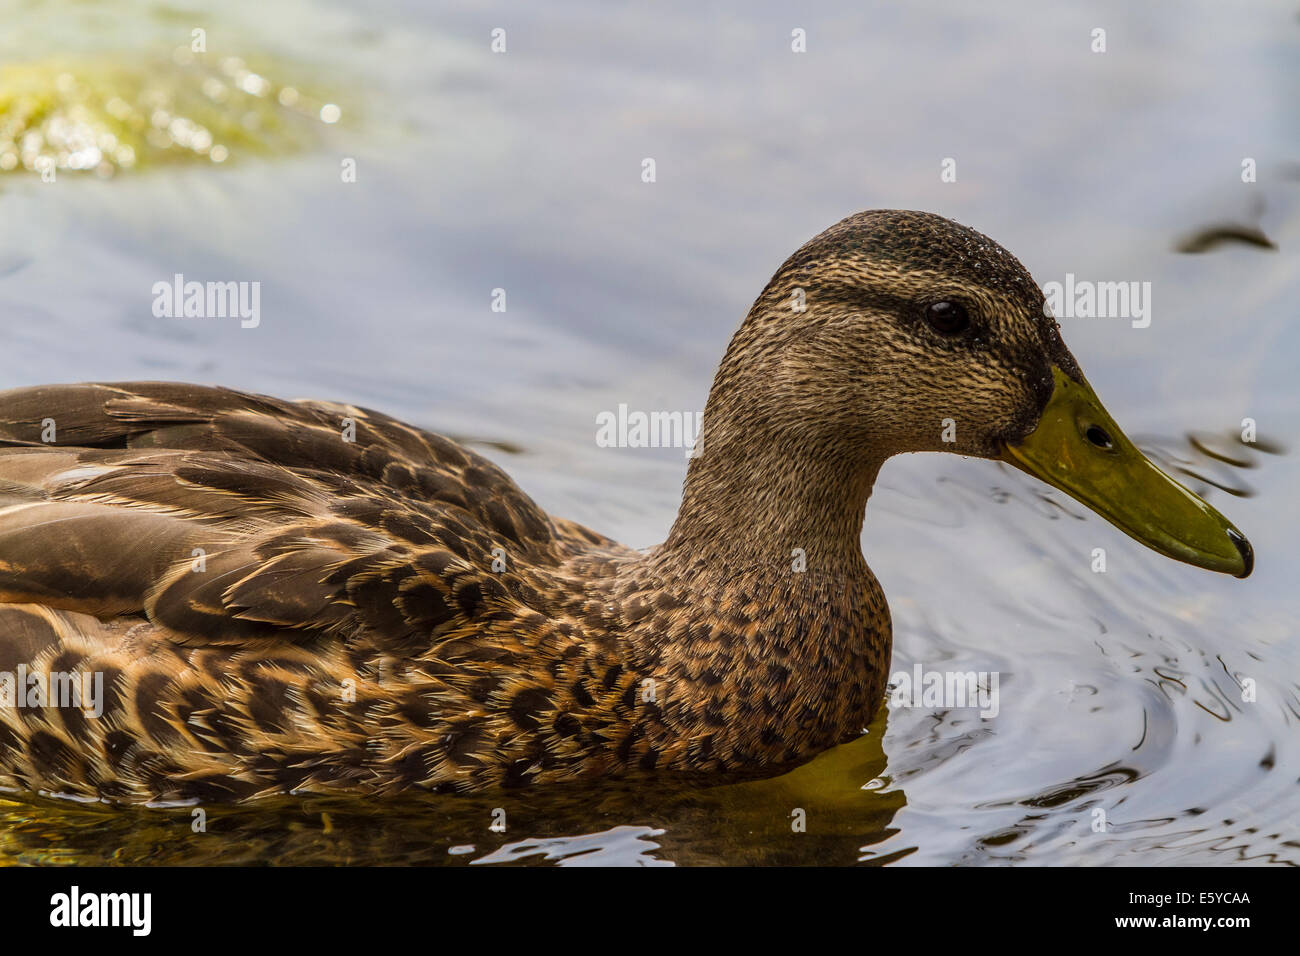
x=896, y=331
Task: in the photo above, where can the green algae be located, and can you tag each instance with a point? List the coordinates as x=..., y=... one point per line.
x=104, y=115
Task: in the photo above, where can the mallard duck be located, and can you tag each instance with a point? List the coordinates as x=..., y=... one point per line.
x=302, y=596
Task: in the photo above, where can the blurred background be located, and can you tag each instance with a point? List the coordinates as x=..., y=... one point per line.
x=128, y=156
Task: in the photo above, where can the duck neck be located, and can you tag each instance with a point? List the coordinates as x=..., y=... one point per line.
x=760, y=603
x=757, y=501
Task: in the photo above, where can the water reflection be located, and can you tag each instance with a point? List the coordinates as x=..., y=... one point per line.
x=105, y=115
x=650, y=822
x=1212, y=460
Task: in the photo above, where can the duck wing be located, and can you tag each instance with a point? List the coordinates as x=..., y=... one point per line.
x=224, y=517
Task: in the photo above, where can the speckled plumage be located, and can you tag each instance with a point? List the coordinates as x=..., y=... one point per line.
x=275, y=608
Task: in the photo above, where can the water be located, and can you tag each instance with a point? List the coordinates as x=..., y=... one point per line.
x=1120, y=692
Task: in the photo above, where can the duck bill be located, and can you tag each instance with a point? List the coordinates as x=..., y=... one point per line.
x=1078, y=448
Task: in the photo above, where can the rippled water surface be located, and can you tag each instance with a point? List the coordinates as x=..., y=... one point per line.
x=1120, y=692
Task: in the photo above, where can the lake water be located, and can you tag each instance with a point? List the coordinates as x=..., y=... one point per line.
x=1120, y=692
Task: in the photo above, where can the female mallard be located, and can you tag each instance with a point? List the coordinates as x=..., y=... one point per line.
x=303, y=596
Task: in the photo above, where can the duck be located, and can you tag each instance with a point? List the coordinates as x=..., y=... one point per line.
x=208, y=595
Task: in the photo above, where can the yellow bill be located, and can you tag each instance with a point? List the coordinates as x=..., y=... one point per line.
x=1078, y=448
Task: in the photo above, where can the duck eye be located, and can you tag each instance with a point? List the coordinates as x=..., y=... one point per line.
x=947, y=318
